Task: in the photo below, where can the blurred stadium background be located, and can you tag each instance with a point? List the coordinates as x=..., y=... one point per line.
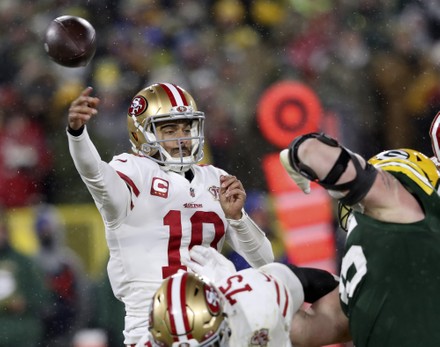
x=365, y=71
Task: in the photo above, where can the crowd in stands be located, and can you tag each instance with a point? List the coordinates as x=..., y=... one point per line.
x=374, y=64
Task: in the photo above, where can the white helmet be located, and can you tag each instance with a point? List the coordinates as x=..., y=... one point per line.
x=156, y=104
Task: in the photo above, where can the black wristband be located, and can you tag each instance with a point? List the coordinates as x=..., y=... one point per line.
x=75, y=132
x=316, y=282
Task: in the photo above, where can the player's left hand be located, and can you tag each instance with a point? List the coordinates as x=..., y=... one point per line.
x=209, y=263
x=232, y=196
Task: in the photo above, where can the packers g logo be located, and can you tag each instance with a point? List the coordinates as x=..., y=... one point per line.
x=394, y=153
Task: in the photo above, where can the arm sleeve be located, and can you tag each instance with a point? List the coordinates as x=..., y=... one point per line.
x=250, y=241
x=109, y=191
x=316, y=282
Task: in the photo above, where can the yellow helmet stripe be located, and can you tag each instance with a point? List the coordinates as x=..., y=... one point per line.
x=414, y=173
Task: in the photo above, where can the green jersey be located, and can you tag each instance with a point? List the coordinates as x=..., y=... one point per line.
x=390, y=277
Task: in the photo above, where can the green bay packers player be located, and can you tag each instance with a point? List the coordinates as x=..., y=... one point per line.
x=157, y=203
x=389, y=278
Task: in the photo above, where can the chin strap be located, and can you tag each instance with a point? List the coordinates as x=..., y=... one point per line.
x=178, y=168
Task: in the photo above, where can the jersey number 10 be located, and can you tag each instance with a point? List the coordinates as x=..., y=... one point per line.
x=174, y=220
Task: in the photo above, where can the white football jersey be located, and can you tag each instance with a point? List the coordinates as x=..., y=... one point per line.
x=260, y=307
x=151, y=225
x=168, y=214
x=259, y=304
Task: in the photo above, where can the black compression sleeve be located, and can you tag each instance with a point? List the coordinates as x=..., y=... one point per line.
x=316, y=282
x=74, y=132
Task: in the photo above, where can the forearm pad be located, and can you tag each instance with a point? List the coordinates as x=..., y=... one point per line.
x=356, y=189
x=316, y=282
x=253, y=241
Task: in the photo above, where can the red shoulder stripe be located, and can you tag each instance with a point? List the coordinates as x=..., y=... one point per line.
x=129, y=182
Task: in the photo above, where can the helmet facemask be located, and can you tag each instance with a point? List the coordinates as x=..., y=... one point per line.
x=181, y=163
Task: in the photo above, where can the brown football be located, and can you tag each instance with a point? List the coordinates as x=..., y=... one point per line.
x=70, y=41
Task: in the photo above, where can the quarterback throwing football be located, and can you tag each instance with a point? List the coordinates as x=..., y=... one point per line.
x=156, y=203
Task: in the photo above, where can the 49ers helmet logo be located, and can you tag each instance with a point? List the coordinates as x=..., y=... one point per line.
x=212, y=299
x=181, y=109
x=260, y=338
x=138, y=105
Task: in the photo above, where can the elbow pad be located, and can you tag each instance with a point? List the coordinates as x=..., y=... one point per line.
x=357, y=188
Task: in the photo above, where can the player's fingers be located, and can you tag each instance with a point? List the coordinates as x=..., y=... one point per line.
x=85, y=101
x=84, y=118
x=235, y=185
x=203, y=250
x=80, y=115
x=231, y=184
x=192, y=265
x=86, y=98
x=86, y=91
x=199, y=254
x=237, y=192
x=84, y=109
x=225, y=181
x=92, y=101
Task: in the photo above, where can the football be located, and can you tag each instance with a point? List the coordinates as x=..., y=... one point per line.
x=70, y=41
